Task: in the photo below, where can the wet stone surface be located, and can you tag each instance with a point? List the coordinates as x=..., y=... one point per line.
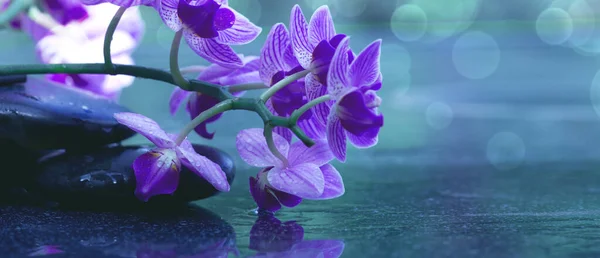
x=45, y=116
x=184, y=232
x=105, y=177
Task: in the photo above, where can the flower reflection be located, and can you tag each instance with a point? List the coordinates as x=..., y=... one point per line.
x=272, y=238
x=46, y=250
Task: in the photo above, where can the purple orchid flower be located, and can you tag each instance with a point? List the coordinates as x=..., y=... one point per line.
x=272, y=238
x=198, y=103
x=306, y=176
x=157, y=171
x=210, y=27
x=277, y=62
x=314, y=44
x=352, y=86
x=82, y=41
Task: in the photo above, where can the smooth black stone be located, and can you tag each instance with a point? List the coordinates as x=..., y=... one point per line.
x=184, y=232
x=105, y=178
x=45, y=116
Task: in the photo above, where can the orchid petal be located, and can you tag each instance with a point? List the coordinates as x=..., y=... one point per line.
x=315, y=89
x=242, y=32
x=199, y=103
x=336, y=138
x=146, y=127
x=252, y=147
x=272, y=53
x=354, y=114
x=202, y=166
x=303, y=180
x=263, y=199
x=156, y=172
x=334, y=185
x=286, y=133
x=321, y=26
x=313, y=128
x=319, y=154
x=212, y=51
x=213, y=73
x=338, y=70
x=364, y=70
x=244, y=78
x=299, y=33
x=177, y=97
x=363, y=141
x=286, y=199
x=168, y=12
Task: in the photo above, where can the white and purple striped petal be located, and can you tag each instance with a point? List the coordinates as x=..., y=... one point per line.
x=146, y=127
x=303, y=180
x=272, y=54
x=321, y=26
x=156, y=172
x=313, y=128
x=364, y=70
x=212, y=51
x=202, y=166
x=299, y=36
x=315, y=89
x=336, y=138
x=337, y=77
x=319, y=154
x=168, y=12
x=252, y=147
x=241, y=32
x=334, y=185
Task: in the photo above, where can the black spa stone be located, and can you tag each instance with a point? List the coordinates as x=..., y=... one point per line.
x=105, y=178
x=41, y=115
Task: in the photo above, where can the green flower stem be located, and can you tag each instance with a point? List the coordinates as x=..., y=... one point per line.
x=192, y=69
x=218, y=92
x=14, y=9
x=278, y=86
x=174, y=62
x=268, y=132
x=217, y=109
x=110, y=31
x=298, y=112
x=247, y=86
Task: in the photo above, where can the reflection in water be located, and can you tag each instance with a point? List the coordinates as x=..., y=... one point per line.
x=272, y=238
x=186, y=233
x=46, y=250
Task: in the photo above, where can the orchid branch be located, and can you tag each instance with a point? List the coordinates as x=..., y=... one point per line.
x=300, y=111
x=215, y=110
x=279, y=85
x=247, y=86
x=14, y=9
x=110, y=31
x=218, y=92
x=268, y=132
x=174, y=61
